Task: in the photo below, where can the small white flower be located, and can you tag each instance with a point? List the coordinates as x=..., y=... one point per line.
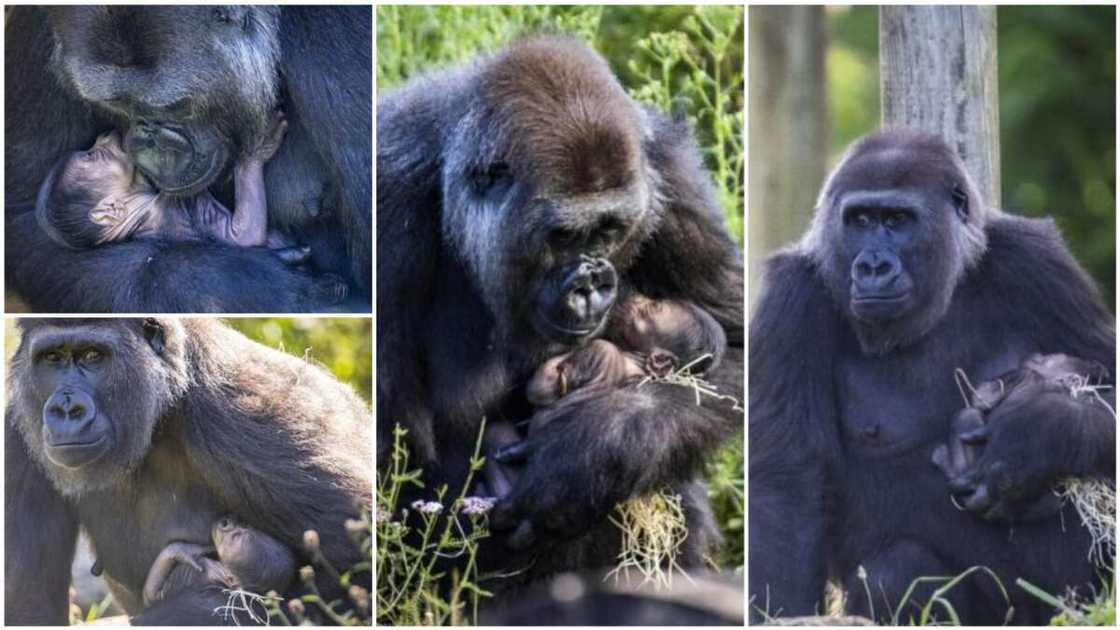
x=431, y=507
x=477, y=506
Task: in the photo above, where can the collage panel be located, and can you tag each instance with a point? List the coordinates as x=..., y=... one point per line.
x=560, y=315
x=188, y=159
x=932, y=429
x=188, y=471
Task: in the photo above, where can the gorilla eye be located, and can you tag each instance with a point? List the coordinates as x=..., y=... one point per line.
x=92, y=356
x=862, y=219
x=482, y=180
x=895, y=219
x=52, y=356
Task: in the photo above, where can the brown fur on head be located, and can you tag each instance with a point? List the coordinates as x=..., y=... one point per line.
x=599, y=363
x=578, y=131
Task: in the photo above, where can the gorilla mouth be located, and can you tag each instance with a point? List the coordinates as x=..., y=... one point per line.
x=880, y=299
x=564, y=333
x=198, y=176
x=879, y=307
x=77, y=454
x=176, y=161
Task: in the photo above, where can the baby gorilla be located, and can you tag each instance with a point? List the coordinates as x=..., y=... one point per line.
x=653, y=338
x=247, y=559
x=1038, y=372
x=98, y=196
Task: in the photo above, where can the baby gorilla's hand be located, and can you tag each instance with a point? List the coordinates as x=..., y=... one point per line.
x=270, y=144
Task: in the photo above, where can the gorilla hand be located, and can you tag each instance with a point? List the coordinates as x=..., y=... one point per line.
x=1030, y=442
x=573, y=472
x=594, y=449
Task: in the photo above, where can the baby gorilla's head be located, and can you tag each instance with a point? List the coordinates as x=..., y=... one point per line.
x=94, y=196
x=678, y=328
x=598, y=363
x=259, y=561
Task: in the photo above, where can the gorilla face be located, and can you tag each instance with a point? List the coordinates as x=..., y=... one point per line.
x=546, y=190
x=101, y=387
x=895, y=231
x=193, y=84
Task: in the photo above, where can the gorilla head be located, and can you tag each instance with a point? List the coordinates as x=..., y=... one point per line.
x=546, y=189
x=897, y=225
x=101, y=389
x=194, y=85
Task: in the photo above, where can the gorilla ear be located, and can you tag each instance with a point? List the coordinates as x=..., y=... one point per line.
x=154, y=335
x=960, y=202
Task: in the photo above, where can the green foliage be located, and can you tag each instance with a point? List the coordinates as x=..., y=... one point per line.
x=1057, y=74
x=698, y=69
x=342, y=345
x=725, y=490
x=410, y=543
x=685, y=60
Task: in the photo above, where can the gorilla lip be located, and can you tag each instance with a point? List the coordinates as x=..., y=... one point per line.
x=76, y=454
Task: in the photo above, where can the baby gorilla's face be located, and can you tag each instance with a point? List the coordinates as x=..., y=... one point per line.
x=598, y=363
x=230, y=538
x=649, y=324
x=104, y=169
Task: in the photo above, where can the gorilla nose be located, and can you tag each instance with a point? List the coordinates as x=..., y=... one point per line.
x=70, y=406
x=590, y=291
x=875, y=272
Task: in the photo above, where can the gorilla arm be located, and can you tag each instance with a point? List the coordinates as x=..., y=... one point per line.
x=1033, y=442
x=40, y=533
x=598, y=450
x=151, y=276
x=793, y=437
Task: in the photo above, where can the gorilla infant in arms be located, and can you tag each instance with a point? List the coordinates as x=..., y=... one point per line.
x=248, y=559
x=99, y=196
x=653, y=339
x=970, y=431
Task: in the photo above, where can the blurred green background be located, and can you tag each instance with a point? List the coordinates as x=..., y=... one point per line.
x=342, y=345
x=686, y=60
x=1057, y=94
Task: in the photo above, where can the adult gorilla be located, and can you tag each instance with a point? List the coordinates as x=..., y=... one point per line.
x=201, y=81
x=904, y=277
x=143, y=432
x=516, y=197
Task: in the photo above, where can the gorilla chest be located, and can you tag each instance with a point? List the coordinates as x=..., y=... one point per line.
x=129, y=527
x=894, y=404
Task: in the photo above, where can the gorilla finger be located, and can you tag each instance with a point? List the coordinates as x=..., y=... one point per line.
x=940, y=460
x=976, y=437
x=962, y=484
x=980, y=499
x=514, y=453
x=523, y=537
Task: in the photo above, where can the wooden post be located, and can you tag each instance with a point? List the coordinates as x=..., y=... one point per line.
x=788, y=126
x=938, y=74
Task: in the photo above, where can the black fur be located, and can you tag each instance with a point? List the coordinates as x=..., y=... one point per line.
x=492, y=179
x=843, y=421
x=204, y=422
x=312, y=62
